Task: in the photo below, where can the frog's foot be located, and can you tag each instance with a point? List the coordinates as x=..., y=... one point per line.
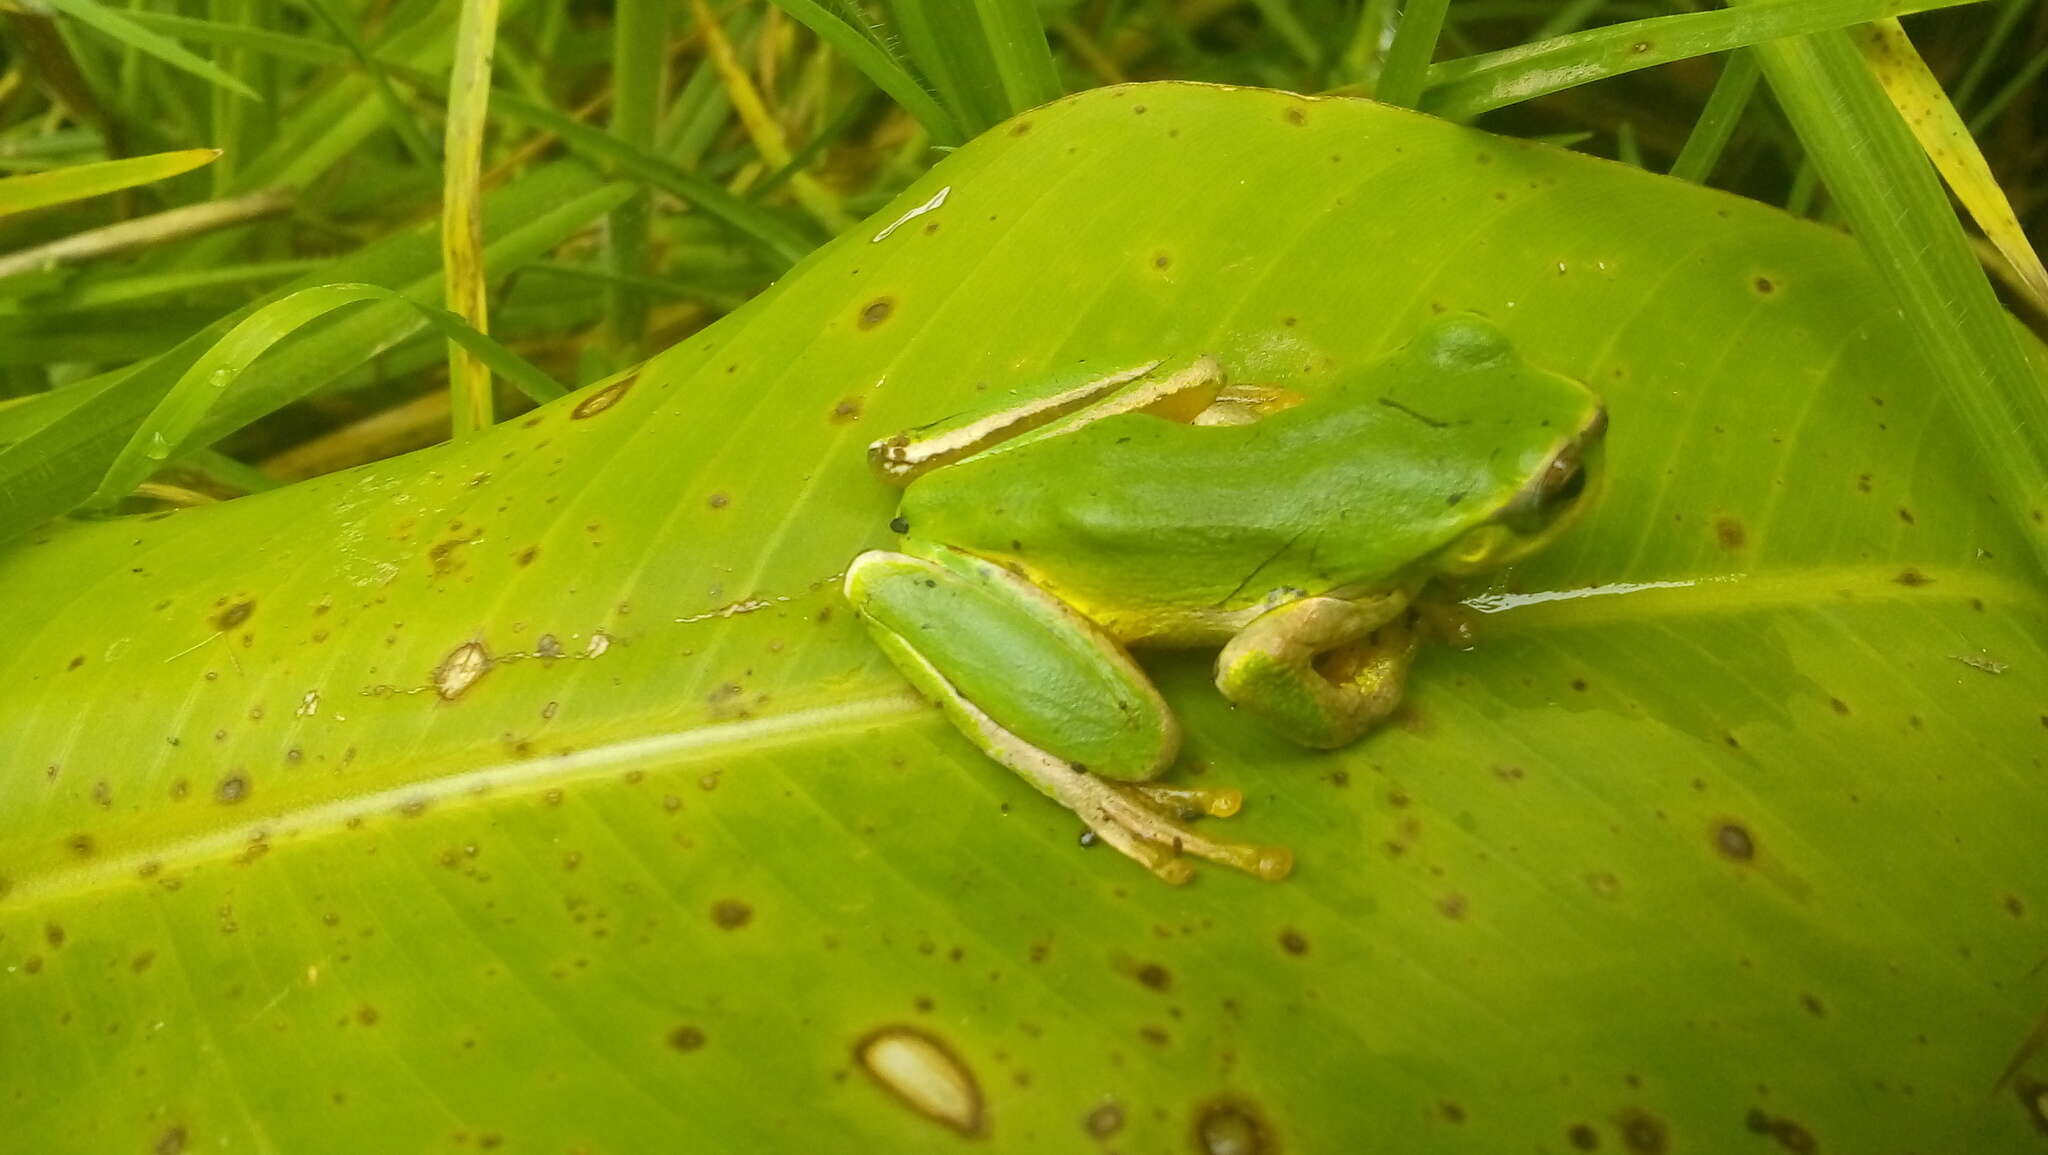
x=1322, y=670
x=1141, y=819
x=1144, y=821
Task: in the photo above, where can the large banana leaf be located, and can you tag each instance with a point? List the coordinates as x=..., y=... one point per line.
x=540, y=792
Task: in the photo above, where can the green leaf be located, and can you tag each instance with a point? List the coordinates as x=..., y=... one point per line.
x=38, y=190
x=168, y=430
x=539, y=793
x=1463, y=88
x=118, y=27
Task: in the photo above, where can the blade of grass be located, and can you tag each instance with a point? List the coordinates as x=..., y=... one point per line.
x=1401, y=81
x=1279, y=15
x=462, y=230
x=1463, y=88
x=639, y=33
x=119, y=28
x=21, y=193
x=170, y=427
x=1725, y=106
x=227, y=472
x=1939, y=127
x=396, y=110
x=1988, y=49
x=878, y=64
x=149, y=230
x=60, y=460
x=977, y=56
x=225, y=121
x=127, y=290
x=762, y=128
x=765, y=229
x=1887, y=191
x=2021, y=81
x=1365, y=57
x=1023, y=57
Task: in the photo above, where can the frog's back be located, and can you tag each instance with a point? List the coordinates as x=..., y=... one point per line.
x=1351, y=490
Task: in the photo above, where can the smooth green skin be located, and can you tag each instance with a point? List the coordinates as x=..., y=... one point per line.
x=1150, y=530
x=1751, y=837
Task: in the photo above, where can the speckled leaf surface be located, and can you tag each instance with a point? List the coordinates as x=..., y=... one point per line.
x=540, y=795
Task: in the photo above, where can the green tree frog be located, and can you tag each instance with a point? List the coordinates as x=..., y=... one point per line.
x=1168, y=508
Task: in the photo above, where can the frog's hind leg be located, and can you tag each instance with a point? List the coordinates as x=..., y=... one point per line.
x=1322, y=670
x=1133, y=817
x=1043, y=690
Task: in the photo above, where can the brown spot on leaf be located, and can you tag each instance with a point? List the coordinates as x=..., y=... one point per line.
x=1734, y=842
x=602, y=400
x=1643, y=1133
x=1730, y=534
x=1906, y=515
x=876, y=311
x=525, y=556
x=686, y=1038
x=731, y=914
x=231, y=789
x=53, y=934
x=1293, y=941
x=367, y=1015
x=75, y=662
x=1765, y=286
x=1228, y=1125
x=142, y=962
x=461, y=669
x=1789, y=1134
x=1913, y=578
x=1103, y=1121
x=234, y=615
x=1020, y=128
x=171, y=1142
x=1154, y=976
x=847, y=410
x=1294, y=116
x=924, y=1074
x=1582, y=1137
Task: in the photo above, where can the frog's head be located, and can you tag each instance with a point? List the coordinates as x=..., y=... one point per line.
x=1541, y=445
x=1545, y=505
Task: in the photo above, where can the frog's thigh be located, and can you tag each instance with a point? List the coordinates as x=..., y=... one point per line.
x=990, y=647
x=1271, y=668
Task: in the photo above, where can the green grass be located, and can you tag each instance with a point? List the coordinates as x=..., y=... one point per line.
x=339, y=110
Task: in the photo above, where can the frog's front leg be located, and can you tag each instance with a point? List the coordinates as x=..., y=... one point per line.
x=1321, y=670
x=1043, y=690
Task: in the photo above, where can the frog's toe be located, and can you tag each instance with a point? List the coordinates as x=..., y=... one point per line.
x=1192, y=801
x=1147, y=825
